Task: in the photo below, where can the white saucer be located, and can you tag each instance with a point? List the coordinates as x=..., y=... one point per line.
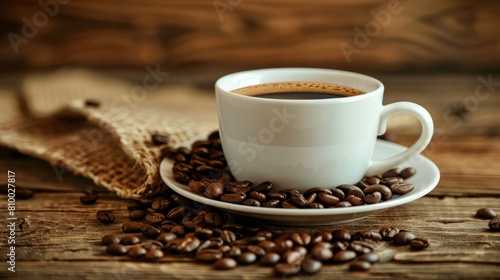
x=425, y=180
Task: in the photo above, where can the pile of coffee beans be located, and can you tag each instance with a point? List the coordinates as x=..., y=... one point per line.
x=169, y=224
x=203, y=168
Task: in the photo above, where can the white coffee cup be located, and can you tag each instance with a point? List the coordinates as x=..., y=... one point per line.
x=301, y=144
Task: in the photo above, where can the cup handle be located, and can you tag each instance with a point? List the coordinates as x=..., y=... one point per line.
x=380, y=166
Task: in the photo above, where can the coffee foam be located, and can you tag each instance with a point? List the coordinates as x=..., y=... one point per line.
x=297, y=86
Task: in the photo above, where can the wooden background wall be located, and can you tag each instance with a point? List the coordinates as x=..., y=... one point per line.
x=377, y=35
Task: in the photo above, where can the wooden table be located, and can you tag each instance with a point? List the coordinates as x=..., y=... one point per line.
x=63, y=237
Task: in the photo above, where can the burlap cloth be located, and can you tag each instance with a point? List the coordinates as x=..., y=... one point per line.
x=111, y=143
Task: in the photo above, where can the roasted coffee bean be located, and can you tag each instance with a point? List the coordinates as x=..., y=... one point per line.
x=166, y=237
x=282, y=245
x=189, y=244
x=197, y=187
x=407, y=172
x=301, y=249
x=116, y=249
x=204, y=233
x=276, y=195
x=285, y=269
x=328, y=199
x=181, y=177
x=382, y=189
x=355, y=200
x=373, y=198
x=105, y=217
x=258, y=251
x=344, y=256
x=137, y=214
x=263, y=187
x=302, y=239
x=204, y=168
x=403, y=238
x=179, y=199
x=154, y=218
x=247, y=258
x=270, y=258
x=341, y=235
x=369, y=257
x=272, y=203
x=258, y=196
x=151, y=231
x=159, y=139
x=89, y=198
x=25, y=193
x=251, y=202
x=419, y=243
x=317, y=190
x=178, y=230
x=110, y=238
x=152, y=244
x=225, y=263
x=373, y=235
x=133, y=205
x=234, y=252
x=168, y=152
x=213, y=218
x=176, y=212
x=293, y=257
x=167, y=225
x=311, y=266
x=321, y=236
x=132, y=227
x=311, y=198
x=360, y=265
x=154, y=254
x=315, y=205
x=289, y=205
x=401, y=188
x=389, y=181
x=298, y=200
x=356, y=192
x=486, y=213
x=209, y=255
x=228, y=236
x=240, y=186
x=182, y=167
x=388, y=233
x=321, y=252
x=266, y=244
x=345, y=188
x=360, y=247
x=214, y=190
x=201, y=151
x=372, y=180
x=343, y=204
x=255, y=240
x=391, y=173
x=136, y=252
x=236, y=197
x=160, y=205
x=494, y=224
x=338, y=193
x=130, y=240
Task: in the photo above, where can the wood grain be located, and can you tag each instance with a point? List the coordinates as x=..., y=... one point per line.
x=253, y=34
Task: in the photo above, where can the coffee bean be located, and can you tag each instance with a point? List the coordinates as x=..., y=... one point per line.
x=130, y=240
x=133, y=205
x=237, y=197
x=110, y=238
x=311, y=266
x=407, y=172
x=317, y=190
x=341, y=235
x=151, y=231
x=214, y=190
x=401, y=188
x=251, y=202
x=343, y=204
x=321, y=252
x=258, y=251
x=289, y=205
x=261, y=197
x=167, y=225
x=328, y=199
x=321, y=236
x=116, y=249
x=154, y=254
x=344, y=256
x=315, y=205
x=213, y=218
x=234, y=252
x=355, y=200
x=272, y=203
x=338, y=193
x=105, y=217
x=159, y=139
x=388, y=233
x=132, y=227
x=89, y=198
x=160, y=205
x=263, y=187
x=403, y=238
x=486, y=213
x=152, y=244
x=300, y=238
x=494, y=224
x=269, y=259
x=419, y=243
x=225, y=264
x=369, y=257
x=372, y=180
x=176, y=212
x=373, y=198
x=293, y=257
x=136, y=252
x=360, y=247
x=389, y=181
x=240, y=186
x=285, y=269
x=228, y=236
x=373, y=235
x=391, y=173
x=137, y=214
x=181, y=177
x=166, y=237
x=382, y=189
x=247, y=258
x=299, y=200
x=178, y=230
x=154, y=218
x=345, y=188
x=360, y=265
x=189, y=244
x=209, y=255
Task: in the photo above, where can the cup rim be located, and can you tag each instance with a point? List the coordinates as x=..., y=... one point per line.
x=378, y=89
